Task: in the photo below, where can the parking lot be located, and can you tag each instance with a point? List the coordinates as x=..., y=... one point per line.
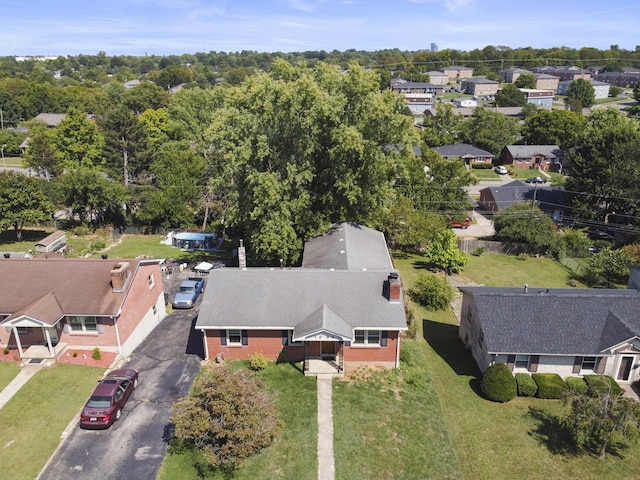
x=134, y=447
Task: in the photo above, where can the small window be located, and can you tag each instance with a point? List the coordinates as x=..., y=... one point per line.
x=589, y=363
x=522, y=361
x=234, y=337
x=83, y=324
x=151, y=281
x=367, y=337
x=23, y=330
x=155, y=310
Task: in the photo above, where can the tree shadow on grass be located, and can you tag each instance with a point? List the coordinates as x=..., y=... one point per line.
x=551, y=433
x=444, y=340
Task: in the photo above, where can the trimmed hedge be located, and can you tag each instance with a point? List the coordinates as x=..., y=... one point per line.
x=498, y=383
x=577, y=385
x=600, y=384
x=526, y=385
x=550, y=385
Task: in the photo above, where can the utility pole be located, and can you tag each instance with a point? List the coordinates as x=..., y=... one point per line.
x=533, y=200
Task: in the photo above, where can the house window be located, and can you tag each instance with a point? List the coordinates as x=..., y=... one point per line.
x=589, y=363
x=234, y=337
x=522, y=361
x=83, y=324
x=367, y=337
x=23, y=330
x=155, y=310
x=151, y=281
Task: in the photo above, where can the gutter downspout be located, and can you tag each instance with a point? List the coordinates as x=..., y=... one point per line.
x=115, y=325
x=398, y=351
x=204, y=341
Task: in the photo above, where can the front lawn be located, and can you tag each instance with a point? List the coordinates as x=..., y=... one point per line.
x=8, y=371
x=292, y=455
x=33, y=420
x=518, y=439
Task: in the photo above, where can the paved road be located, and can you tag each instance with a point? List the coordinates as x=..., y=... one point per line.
x=134, y=447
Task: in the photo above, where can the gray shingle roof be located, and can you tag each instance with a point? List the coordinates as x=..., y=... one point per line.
x=323, y=320
x=348, y=246
x=528, y=151
x=548, y=198
x=462, y=149
x=555, y=321
x=286, y=298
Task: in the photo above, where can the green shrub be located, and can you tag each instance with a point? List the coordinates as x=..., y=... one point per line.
x=602, y=384
x=526, y=385
x=6, y=350
x=98, y=245
x=479, y=251
x=498, y=383
x=412, y=330
x=550, y=385
x=258, y=361
x=96, y=355
x=431, y=292
x=81, y=230
x=576, y=384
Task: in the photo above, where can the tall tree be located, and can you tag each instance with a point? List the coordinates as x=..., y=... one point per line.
x=144, y=96
x=443, y=128
x=308, y=147
x=490, y=130
x=126, y=144
x=605, y=166
x=581, y=91
x=526, y=80
x=553, y=127
x=77, y=142
x=22, y=200
x=510, y=96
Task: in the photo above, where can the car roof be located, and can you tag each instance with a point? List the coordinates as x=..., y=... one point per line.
x=106, y=387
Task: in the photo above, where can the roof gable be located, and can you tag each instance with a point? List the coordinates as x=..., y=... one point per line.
x=323, y=324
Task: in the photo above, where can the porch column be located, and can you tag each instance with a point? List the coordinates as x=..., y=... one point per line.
x=48, y=337
x=15, y=333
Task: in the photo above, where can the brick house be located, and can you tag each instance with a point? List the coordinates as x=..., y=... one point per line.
x=546, y=82
x=540, y=157
x=341, y=309
x=510, y=75
x=455, y=72
x=479, y=86
x=52, y=304
x=468, y=153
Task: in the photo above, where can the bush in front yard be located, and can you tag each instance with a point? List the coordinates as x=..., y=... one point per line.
x=526, y=385
x=432, y=292
x=498, y=383
x=550, y=385
x=576, y=384
x=602, y=384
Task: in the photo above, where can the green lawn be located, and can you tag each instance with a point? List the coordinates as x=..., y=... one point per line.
x=292, y=455
x=8, y=371
x=501, y=441
x=486, y=174
x=33, y=420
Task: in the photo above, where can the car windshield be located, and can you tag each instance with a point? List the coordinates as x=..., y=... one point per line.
x=187, y=289
x=99, y=402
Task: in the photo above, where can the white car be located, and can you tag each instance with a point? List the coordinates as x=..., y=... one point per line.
x=501, y=169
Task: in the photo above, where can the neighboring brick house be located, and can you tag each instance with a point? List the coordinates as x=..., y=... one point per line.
x=455, y=72
x=621, y=79
x=438, y=78
x=549, y=199
x=343, y=308
x=479, y=86
x=510, y=75
x=540, y=157
x=564, y=331
x=52, y=304
x=546, y=82
x=405, y=87
x=470, y=154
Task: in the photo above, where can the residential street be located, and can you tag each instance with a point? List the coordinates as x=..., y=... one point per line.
x=134, y=447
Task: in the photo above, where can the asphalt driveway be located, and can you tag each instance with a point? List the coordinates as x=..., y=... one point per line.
x=134, y=447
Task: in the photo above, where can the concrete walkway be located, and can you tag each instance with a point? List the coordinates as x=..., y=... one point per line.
x=326, y=465
x=10, y=390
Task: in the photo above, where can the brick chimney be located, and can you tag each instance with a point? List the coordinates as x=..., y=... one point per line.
x=119, y=276
x=394, y=287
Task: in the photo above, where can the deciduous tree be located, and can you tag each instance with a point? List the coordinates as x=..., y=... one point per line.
x=490, y=130
x=22, y=200
x=581, y=91
x=510, y=96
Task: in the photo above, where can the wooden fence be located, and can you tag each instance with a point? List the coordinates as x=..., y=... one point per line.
x=470, y=245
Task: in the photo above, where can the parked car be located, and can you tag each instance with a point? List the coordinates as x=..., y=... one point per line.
x=107, y=400
x=501, y=169
x=188, y=292
x=536, y=180
x=458, y=224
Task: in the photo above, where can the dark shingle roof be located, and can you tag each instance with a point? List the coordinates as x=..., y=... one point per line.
x=462, y=149
x=547, y=198
x=555, y=321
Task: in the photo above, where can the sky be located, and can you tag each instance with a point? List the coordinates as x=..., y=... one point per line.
x=168, y=27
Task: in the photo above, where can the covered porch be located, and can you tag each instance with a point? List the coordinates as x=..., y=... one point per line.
x=324, y=334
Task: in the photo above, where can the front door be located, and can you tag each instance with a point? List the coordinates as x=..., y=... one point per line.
x=328, y=350
x=624, y=370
